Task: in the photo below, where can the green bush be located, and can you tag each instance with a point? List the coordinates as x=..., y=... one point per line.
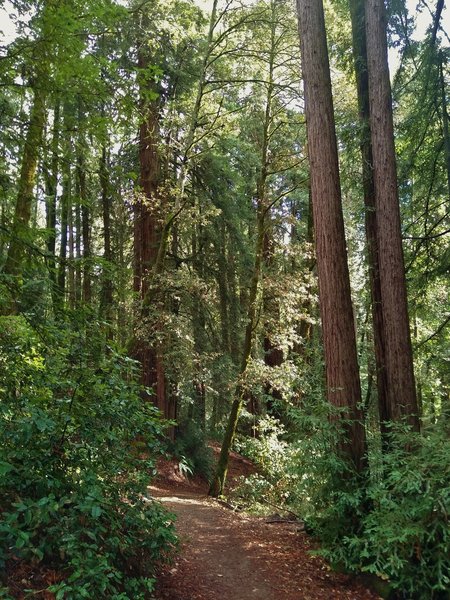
x=72, y=484
x=396, y=523
x=406, y=534
x=274, y=481
x=191, y=449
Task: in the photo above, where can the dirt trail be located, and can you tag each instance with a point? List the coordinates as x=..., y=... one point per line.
x=219, y=558
x=230, y=556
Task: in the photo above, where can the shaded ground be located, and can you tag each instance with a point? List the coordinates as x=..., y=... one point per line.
x=224, y=555
x=230, y=556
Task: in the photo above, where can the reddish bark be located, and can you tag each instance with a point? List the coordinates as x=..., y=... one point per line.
x=401, y=394
x=339, y=340
x=147, y=238
x=358, y=15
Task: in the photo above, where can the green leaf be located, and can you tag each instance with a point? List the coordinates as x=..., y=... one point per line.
x=5, y=468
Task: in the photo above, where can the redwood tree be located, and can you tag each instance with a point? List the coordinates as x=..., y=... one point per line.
x=401, y=399
x=358, y=18
x=147, y=240
x=339, y=340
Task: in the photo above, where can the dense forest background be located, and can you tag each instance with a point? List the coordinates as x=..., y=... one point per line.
x=190, y=251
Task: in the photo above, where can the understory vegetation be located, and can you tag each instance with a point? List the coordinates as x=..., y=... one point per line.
x=394, y=525
x=77, y=454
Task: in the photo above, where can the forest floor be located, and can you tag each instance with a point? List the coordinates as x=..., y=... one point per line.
x=226, y=555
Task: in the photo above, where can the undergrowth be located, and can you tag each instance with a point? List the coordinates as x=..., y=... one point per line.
x=73, y=478
x=191, y=450
x=392, y=522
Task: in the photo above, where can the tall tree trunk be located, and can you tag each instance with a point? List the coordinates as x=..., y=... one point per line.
x=27, y=177
x=148, y=235
x=51, y=197
x=358, y=16
x=339, y=340
x=106, y=300
x=401, y=395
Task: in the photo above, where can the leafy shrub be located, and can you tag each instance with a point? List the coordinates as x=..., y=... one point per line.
x=272, y=455
x=72, y=489
x=406, y=534
x=194, y=455
x=396, y=523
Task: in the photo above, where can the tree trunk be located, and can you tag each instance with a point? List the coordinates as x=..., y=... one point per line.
x=51, y=198
x=401, y=395
x=148, y=238
x=358, y=16
x=339, y=340
x=106, y=300
x=27, y=176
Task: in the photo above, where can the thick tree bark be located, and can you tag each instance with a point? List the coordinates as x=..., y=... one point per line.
x=148, y=235
x=401, y=397
x=358, y=17
x=150, y=240
x=339, y=340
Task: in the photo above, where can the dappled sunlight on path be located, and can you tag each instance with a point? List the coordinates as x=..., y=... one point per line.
x=229, y=556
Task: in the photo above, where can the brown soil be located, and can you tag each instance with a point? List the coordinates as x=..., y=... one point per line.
x=230, y=556
x=224, y=555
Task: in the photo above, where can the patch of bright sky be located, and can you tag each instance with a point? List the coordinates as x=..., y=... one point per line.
x=423, y=20
x=7, y=27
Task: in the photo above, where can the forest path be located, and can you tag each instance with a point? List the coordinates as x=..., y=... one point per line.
x=232, y=556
